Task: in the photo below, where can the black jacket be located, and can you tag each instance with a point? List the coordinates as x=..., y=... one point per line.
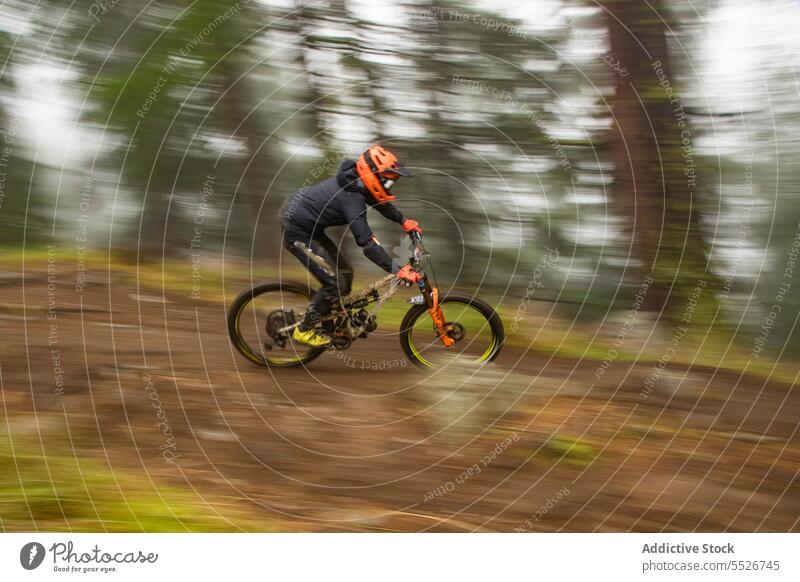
x=338, y=201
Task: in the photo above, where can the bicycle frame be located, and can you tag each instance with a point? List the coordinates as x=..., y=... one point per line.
x=419, y=260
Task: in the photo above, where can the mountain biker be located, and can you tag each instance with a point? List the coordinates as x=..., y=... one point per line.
x=341, y=200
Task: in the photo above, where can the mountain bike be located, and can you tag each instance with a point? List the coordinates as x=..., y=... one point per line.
x=435, y=328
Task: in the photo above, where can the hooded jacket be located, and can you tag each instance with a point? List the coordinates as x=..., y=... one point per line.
x=340, y=200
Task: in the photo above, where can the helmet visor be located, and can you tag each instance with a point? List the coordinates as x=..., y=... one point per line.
x=395, y=172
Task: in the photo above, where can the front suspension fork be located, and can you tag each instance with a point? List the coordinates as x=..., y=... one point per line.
x=431, y=295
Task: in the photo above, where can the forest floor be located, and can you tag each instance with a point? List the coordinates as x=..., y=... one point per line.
x=126, y=409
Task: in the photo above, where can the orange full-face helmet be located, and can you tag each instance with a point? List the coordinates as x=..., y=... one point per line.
x=378, y=169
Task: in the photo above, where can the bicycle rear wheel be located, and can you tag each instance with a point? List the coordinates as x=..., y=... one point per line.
x=476, y=328
x=255, y=321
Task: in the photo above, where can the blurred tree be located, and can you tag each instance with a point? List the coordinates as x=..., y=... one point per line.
x=167, y=86
x=654, y=159
x=487, y=139
x=23, y=216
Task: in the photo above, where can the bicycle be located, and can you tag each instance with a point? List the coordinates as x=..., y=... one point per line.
x=261, y=320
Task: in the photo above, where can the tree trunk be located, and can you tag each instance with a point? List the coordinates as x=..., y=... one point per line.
x=251, y=173
x=654, y=165
x=316, y=99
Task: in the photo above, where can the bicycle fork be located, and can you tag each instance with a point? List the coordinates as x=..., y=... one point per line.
x=431, y=295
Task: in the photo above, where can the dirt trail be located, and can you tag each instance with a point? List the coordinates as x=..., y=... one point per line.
x=340, y=448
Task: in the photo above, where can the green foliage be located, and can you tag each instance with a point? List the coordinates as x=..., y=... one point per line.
x=58, y=491
x=561, y=448
x=571, y=450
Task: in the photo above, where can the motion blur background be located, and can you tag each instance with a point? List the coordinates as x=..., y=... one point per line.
x=618, y=178
x=115, y=116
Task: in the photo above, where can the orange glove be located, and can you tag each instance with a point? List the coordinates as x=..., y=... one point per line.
x=408, y=275
x=411, y=226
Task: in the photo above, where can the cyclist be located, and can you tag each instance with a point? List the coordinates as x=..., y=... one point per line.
x=340, y=200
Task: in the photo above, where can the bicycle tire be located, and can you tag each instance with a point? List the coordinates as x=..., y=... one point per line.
x=241, y=345
x=416, y=311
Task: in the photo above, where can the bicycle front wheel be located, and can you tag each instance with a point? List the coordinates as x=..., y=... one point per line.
x=475, y=327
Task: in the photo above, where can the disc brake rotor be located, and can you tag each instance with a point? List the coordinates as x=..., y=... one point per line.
x=456, y=331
